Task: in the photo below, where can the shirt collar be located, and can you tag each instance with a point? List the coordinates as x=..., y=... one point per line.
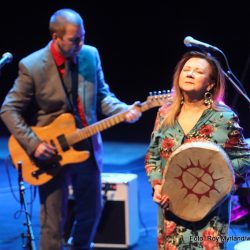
x=59, y=59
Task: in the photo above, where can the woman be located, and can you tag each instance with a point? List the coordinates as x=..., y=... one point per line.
x=196, y=113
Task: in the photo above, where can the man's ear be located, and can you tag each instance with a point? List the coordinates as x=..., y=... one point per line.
x=54, y=36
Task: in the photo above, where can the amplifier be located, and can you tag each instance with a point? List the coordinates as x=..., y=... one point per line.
x=119, y=223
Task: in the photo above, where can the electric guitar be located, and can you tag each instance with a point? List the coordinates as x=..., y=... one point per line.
x=63, y=134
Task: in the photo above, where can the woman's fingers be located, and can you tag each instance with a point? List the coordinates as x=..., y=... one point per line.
x=162, y=200
x=164, y=203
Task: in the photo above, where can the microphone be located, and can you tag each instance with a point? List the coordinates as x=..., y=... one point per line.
x=6, y=58
x=191, y=42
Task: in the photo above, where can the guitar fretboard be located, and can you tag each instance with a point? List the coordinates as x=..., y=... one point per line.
x=102, y=125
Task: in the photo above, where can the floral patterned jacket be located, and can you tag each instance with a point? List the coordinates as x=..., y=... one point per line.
x=219, y=126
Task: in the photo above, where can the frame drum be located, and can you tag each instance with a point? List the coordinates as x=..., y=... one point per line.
x=197, y=178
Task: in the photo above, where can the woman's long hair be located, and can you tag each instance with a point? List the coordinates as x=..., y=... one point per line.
x=217, y=77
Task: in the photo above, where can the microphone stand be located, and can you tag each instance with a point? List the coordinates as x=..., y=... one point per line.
x=233, y=79
x=227, y=75
x=30, y=244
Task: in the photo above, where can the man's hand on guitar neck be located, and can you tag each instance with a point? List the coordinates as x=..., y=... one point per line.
x=44, y=151
x=134, y=113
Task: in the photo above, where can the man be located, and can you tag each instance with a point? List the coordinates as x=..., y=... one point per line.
x=65, y=76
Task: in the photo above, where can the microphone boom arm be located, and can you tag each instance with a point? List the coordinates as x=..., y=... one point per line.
x=236, y=86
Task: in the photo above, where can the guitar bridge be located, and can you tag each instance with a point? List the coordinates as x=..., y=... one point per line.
x=36, y=174
x=51, y=167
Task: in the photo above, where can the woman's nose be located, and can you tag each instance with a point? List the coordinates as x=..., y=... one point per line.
x=190, y=74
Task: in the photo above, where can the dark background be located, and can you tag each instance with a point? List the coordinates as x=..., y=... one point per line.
x=139, y=45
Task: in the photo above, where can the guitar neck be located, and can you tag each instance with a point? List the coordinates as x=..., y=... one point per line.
x=102, y=125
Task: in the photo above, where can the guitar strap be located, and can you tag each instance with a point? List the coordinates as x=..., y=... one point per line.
x=74, y=78
x=66, y=84
x=70, y=86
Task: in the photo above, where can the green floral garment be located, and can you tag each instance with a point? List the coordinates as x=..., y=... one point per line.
x=220, y=127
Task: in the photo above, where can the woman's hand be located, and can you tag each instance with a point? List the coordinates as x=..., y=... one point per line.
x=162, y=200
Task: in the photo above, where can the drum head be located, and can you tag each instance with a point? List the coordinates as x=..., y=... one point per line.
x=198, y=177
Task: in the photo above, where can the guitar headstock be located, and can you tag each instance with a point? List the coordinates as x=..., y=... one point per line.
x=159, y=98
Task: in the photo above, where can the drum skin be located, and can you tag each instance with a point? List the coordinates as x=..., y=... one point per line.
x=197, y=178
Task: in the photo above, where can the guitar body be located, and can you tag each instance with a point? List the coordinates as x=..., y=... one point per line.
x=38, y=173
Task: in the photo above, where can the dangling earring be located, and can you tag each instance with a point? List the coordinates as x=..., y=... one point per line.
x=182, y=100
x=208, y=99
